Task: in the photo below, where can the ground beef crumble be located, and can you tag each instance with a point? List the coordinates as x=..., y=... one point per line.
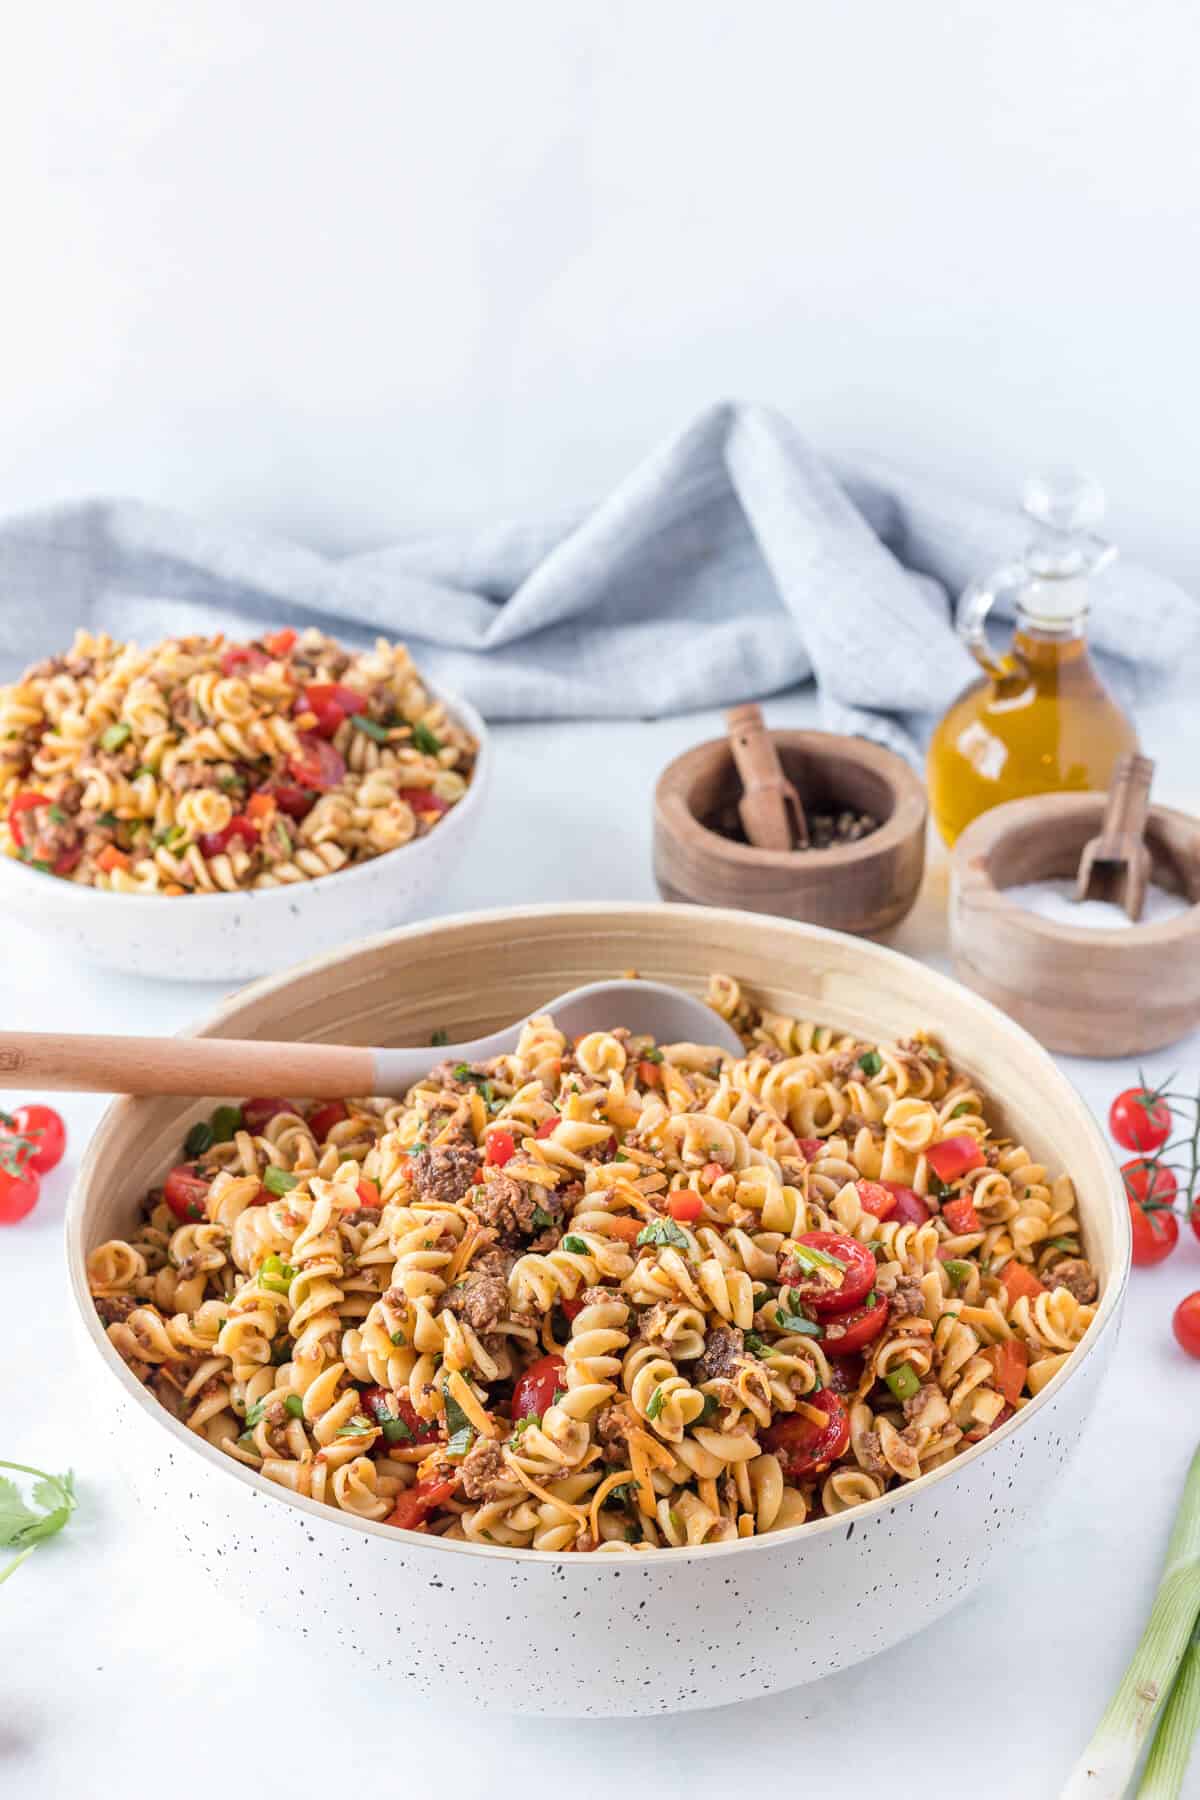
x=483, y=1473
x=445, y=1174
x=1076, y=1275
x=724, y=1349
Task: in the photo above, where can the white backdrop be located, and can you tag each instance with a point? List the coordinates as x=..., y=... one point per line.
x=348, y=269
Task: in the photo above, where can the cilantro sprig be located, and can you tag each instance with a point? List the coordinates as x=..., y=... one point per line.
x=24, y=1524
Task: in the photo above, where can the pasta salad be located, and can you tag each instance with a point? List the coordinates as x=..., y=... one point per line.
x=610, y=1295
x=203, y=766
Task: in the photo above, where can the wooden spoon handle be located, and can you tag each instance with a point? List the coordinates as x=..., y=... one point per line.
x=48, y=1061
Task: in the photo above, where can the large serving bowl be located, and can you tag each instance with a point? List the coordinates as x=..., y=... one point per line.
x=231, y=937
x=660, y=1631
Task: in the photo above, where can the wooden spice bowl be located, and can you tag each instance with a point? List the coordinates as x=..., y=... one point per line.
x=1084, y=991
x=864, y=887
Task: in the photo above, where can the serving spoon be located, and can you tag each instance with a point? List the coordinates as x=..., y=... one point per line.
x=56, y=1061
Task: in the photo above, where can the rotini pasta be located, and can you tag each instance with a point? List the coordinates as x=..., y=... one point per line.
x=607, y=1296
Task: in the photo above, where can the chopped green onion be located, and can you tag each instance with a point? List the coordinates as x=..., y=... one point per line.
x=663, y=1231
x=653, y=1055
x=542, y=1219
x=107, y=819
x=957, y=1271
x=415, y=1149
x=809, y=1257
x=199, y=1139
x=962, y=1109
x=1106, y=1767
x=254, y=1414
x=115, y=736
x=278, y=1181
x=460, y=1443
x=276, y=1275
x=711, y=1406
x=870, y=1062
x=575, y=1244
x=424, y=740
x=398, y=1338
x=357, y=1426
x=225, y=1121
x=796, y=1322
x=656, y=1402
x=903, y=1381
x=756, y=1345
x=369, y=727
x=1069, y=1244
x=294, y=1406
x=933, y=1055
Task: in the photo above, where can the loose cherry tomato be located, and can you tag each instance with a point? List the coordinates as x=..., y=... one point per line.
x=278, y=643
x=961, y=1217
x=27, y=801
x=910, y=1208
x=214, y=843
x=323, y=1118
x=547, y=1126
x=876, y=1199
x=46, y=1133
x=415, y=1504
x=857, y=1273
x=19, y=1190
x=685, y=1206
x=811, y=1148
x=316, y=764
x=296, y=802
x=955, y=1156
x=862, y=1324
x=383, y=1407
x=258, y=1113
x=185, y=1192
x=423, y=800
x=1145, y=1181
x=803, y=1446
x=239, y=659
x=845, y=1373
x=501, y=1147
x=1186, y=1324
x=1155, y=1235
x=368, y=1195
x=534, y=1392
x=1139, y=1119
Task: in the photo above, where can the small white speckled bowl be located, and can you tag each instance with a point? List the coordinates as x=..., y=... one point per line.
x=668, y=1630
x=219, y=937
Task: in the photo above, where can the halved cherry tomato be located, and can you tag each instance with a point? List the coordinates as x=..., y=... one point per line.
x=501, y=1146
x=857, y=1273
x=547, y=1126
x=27, y=801
x=712, y=1171
x=316, y=764
x=330, y=704
x=185, y=1192
x=45, y=1131
x=1020, y=1282
x=323, y=1118
x=214, y=843
x=955, y=1156
x=1145, y=1181
x=1138, y=1119
x=862, y=1325
x=240, y=658
x=19, y=1190
x=382, y=1406
x=368, y=1195
x=876, y=1199
x=811, y=1147
x=910, y=1208
x=685, y=1206
x=1010, y=1365
x=571, y=1309
x=1155, y=1234
x=1186, y=1324
x=649, y=1074
x=258, y=1113
x=296, y=802
x=961, y=1217
x=423, y=800
x=803, y=1446
x=534, y=1392
x=415, y=1504
x=278, y=643
x=845, y=1373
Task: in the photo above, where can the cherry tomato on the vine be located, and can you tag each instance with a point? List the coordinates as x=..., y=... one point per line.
x=1146, y=1181
x=1186, y=1324
x=44, y=1129
x=19, y=1190
x=1139, y=1119
x=1155, y=1235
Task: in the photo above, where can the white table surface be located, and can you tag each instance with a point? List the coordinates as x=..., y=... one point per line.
x=119, y=1669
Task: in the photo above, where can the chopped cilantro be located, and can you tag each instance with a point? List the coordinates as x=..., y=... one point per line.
x=575, y=1244
x=663, y=1231
x=456, y=1418
x=294, y=1406
x=797, y=1323
x=870, y=1062
x=653, y=1055
x=115, y=735
x=756, y=1345
x=542, y=1219
x=961, y=1110
x=254, y=1414
x=398, y=1338
x=58, y=815
x=107, y=819
x=711, y=1406
x=424, y=740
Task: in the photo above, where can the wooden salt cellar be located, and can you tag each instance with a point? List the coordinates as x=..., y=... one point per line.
x=1083, y=991
x=864, y=887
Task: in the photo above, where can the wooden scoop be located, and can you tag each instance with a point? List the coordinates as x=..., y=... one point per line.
x=770, y=808
x=1116, y=865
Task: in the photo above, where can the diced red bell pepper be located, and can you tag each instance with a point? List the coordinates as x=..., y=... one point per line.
x=955, y=1156
x=961, y=1217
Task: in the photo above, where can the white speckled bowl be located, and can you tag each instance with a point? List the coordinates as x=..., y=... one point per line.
x=219, y=937
x=528, y=1631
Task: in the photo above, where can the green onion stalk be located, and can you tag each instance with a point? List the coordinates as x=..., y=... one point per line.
x=1106, y=1767
x=1166, y=1765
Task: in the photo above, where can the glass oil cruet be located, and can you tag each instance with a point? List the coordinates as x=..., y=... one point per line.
x=1040, y=720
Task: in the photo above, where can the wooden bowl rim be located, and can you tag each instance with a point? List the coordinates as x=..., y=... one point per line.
x=972, y=868
x=907, y=817
x=117, y=1115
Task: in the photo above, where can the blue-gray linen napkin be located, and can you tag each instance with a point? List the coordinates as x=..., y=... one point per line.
x=734, y=562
